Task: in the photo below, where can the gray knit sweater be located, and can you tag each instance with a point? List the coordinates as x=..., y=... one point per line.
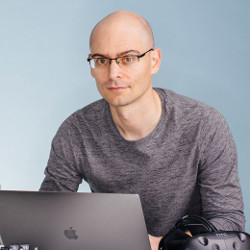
x=187, y=165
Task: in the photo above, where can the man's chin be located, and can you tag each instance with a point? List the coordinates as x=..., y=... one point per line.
x=119, y=101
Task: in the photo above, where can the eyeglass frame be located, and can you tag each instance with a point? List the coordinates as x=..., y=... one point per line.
x=116, y=59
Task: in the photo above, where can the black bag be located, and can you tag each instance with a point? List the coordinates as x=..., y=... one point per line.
x=193, y=232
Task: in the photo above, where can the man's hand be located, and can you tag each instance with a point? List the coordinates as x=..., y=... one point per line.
x=154, y=242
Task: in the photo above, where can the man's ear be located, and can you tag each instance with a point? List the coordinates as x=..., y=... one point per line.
x=156, y=61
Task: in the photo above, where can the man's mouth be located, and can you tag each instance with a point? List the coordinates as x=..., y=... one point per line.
x=117, y=89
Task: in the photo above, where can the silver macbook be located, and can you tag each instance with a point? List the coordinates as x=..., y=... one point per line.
x=72, y=221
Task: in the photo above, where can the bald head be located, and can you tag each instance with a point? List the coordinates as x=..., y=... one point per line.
x=119, y=22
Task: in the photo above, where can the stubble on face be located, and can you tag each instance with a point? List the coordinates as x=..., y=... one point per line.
x=116, y=93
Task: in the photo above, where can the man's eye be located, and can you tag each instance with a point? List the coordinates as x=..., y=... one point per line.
x=128, y=59
x=101, y=61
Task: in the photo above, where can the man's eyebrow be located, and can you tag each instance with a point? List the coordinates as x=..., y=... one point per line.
x=129, y=51
x=98, y=55
x=120, y=54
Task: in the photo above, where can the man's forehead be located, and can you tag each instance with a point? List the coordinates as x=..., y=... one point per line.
x=121, y=32
x=116, y=49
x=117, y=44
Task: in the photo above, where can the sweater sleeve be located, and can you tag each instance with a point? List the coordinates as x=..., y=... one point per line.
x=218, y=180
x=62, y=172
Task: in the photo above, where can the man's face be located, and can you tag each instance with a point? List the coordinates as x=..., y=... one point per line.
x=121, y=86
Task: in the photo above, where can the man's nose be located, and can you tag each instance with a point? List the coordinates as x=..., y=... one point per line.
x=114, y=70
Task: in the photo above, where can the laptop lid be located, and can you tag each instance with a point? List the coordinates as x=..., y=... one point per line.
x=73, y=221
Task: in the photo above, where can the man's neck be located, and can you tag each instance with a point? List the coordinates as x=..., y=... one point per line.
x=138, y=119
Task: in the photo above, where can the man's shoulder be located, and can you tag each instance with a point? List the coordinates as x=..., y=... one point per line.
x=89, y=114
x=92, y=108
x=187, y=107
x=95, y=108
x=175, y=99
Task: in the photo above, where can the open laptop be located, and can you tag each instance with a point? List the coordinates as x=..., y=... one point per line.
x=72, y=221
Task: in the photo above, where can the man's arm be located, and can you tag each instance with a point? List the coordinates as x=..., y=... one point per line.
x=220, y=190
x=62, y=173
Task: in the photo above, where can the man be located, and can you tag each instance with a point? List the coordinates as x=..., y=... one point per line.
x=176, y=153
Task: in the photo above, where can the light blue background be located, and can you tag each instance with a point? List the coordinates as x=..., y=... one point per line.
x=44, y=76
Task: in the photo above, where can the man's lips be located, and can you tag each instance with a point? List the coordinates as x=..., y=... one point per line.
x=117, y=89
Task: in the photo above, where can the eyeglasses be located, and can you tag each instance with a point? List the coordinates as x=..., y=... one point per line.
x=98, y=62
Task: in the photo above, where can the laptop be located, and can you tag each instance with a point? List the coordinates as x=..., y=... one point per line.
x=72, y=221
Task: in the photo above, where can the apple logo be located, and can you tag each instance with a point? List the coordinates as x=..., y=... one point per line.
x=71, y=233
